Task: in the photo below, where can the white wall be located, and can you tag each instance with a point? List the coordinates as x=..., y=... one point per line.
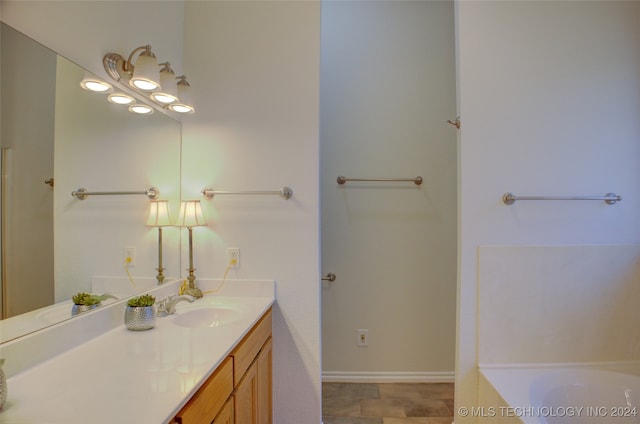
x=387, y=91
x=549, y=98
x=84, y=32
x=119, y=151
x=255, y=66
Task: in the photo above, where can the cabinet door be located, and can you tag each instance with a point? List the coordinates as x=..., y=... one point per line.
x=246, y=397
x=226, y=414
x=265, y=381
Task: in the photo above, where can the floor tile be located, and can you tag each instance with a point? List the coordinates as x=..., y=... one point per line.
x=383, y=408
x=418, y=420
x=341, y=407
x=406, y=420
x=387, y=403
x=351, y=390
x=399, y=391
x=352, y=420
x=426, y=408
x=436, y=390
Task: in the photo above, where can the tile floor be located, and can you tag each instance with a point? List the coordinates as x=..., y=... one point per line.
x=387, y=403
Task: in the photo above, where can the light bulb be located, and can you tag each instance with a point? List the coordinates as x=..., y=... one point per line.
x=120, y=98
x=141, y=109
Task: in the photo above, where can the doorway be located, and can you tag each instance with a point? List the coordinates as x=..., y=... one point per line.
x=387, y=90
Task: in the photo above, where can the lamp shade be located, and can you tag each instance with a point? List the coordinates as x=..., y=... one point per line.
x=169, y=91
x=146, y=73
x=185, y=102
x=191, y=214
x=159, y=214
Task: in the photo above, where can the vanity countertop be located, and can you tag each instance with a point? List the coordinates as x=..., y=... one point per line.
x=132, y=376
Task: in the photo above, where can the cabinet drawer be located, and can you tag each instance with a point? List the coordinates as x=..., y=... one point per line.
x=246, y=351
x=210, y=398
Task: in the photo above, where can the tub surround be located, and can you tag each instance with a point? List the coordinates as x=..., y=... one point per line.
x=550, y=304
x=111, y=374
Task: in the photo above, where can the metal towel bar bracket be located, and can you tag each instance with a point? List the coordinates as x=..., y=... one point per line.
x=284, y=192
x=82, y=193
x=329, y=277
x=609, y=198
x=417, y=180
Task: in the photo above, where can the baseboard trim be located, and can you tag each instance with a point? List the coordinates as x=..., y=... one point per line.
x=387, y=377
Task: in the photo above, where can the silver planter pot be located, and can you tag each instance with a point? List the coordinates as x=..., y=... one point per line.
x=78, y=309
x=139, y=318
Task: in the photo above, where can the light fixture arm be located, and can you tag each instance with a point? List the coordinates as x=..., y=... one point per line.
x=127, y=66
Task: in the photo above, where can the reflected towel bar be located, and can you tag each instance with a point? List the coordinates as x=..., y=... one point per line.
x=609, y=198
x=82, y=193
x=284, y=192
x=417, y=180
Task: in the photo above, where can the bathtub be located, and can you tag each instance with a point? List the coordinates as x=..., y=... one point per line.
x=561, y=394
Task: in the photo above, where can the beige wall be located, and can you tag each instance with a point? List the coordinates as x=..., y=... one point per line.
x=387, y=91
x=28, y=97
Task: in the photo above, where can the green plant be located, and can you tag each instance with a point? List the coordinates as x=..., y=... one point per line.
x=143, y=300
x=88, y=299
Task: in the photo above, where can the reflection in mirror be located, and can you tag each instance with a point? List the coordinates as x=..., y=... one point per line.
x=56, y=138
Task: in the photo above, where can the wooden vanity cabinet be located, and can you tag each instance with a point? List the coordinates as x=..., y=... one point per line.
x=240, y=389
x=252, y=374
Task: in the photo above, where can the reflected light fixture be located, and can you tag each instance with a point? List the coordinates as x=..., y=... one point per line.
x=96, y=85
x=141, y=109
x=159, y=216
x=185, y=102
x=169, y=91
x=120, y=98
x=191, y=216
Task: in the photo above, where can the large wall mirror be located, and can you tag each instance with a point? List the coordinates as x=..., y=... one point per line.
x=57, y=138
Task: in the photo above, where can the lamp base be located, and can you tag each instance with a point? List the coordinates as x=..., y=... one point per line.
x=160, y=276
x=193, y=291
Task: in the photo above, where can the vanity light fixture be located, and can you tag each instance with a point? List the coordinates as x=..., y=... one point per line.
x=169, y=92
x=141, y=109
x=120, y=98
x=149, y=80
x=191, y=216
x=159, y=216
x=96, y=85
x=185, y=102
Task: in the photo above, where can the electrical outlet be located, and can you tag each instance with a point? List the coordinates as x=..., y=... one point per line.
x=233, y=257
x=130, y=256
x=362, y=339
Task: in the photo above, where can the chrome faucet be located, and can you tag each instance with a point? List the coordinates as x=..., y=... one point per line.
x=167, y=306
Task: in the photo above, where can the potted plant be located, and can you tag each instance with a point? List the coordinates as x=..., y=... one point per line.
x=83, y=302
x=140, y=313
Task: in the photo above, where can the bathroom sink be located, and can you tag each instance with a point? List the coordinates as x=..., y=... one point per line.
x=205, y=316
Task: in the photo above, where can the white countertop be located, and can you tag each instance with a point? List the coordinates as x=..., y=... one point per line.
x=126, y=376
